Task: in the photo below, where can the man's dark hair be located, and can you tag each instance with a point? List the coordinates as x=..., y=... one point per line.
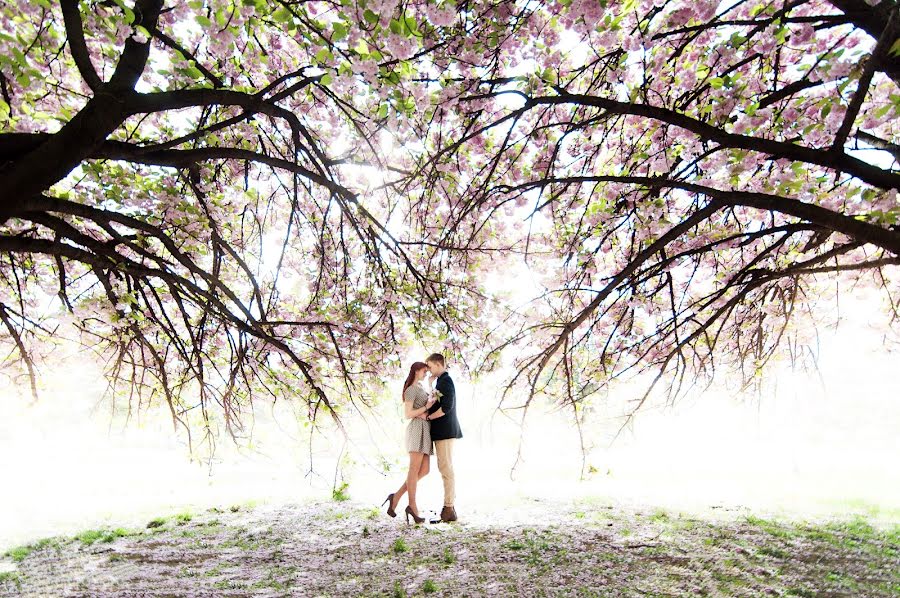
x=436, y=358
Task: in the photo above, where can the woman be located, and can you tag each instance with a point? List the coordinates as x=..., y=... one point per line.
x=418, y=440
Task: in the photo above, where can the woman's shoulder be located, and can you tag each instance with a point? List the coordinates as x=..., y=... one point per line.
x=410, y=393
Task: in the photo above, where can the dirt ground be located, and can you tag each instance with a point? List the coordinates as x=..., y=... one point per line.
x=347, y=549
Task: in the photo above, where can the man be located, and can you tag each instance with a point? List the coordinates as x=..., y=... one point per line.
x=444, y=430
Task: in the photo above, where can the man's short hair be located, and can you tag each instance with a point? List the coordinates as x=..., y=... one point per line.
x=436, y=358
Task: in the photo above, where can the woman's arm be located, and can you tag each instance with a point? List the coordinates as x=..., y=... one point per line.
x=410, y=413
x=436, y=414
x=408, y=410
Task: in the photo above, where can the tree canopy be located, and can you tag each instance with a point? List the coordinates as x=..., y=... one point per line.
x=227, y=200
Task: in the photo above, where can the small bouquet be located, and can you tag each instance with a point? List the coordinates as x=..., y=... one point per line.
x=434, y=396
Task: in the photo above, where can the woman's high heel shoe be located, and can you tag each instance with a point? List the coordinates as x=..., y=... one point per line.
x=389, y=501
x=415, y=517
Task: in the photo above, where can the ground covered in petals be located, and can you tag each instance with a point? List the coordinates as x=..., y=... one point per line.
x=344, y=549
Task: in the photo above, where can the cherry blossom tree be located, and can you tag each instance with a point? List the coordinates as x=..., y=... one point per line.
x=686, y=177
x=228, y=200
x=186, y=193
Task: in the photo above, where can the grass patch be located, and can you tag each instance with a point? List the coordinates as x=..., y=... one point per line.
x=728, y=580
x=771, y=527
x=537, y=548
x=275, y=579
x=399, y=546
x=156, y=522
x=20, y=553
x=339, y=493
x=399, y=592
x=93, y=536
x=183, y=518
x=449, y=558
x=774, y=552
x=373, y=513
x=11, y=577
x=660, y=516
x=842, y=580
x=429, y=587
x=803, y=592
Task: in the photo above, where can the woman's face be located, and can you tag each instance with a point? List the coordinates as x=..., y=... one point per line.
x=420, y=375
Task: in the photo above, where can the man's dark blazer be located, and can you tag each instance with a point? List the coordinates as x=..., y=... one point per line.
x=447, y=426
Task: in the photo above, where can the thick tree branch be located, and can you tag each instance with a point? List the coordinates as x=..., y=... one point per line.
x=835, y=160
x=861, y=230
x=865, y=79
x=80, y=137
x=873, y=20
x=78, y=47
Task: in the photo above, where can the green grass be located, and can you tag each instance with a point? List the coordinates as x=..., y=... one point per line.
x=842, y=580
x=399, y=546
x=339, y=493
x=802, y=592
x=183, y=518
x=773, y=551
x=429, y=587
x=449, y=558
x=771, y=527
x=537, y=547
x=156, y=522
x=275, y=579
x=11, y=577
x=660, y=516
x=373, y=513
x=92, y=536
x=20, y=553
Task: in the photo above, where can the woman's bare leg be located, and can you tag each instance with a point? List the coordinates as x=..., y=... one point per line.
x=423, y=471
x=412, y=479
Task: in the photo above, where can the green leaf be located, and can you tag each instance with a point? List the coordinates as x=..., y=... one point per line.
x=204, y=21
x=412, y=28
x=383, y=111
x=340, y=32
x=323, y=56
x=282, y=15
x=370, y=17
x=895, y=49
x=396, y=27
x=717, y=82
x=326, y=79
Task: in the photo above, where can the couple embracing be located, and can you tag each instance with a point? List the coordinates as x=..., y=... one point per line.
x=432, y=420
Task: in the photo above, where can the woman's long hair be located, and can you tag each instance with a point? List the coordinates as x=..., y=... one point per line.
x=411, y=378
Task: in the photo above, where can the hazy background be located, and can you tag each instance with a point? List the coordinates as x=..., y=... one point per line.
x=813, y=445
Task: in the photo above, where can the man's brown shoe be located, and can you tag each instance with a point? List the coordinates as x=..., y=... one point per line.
x=448, y=514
